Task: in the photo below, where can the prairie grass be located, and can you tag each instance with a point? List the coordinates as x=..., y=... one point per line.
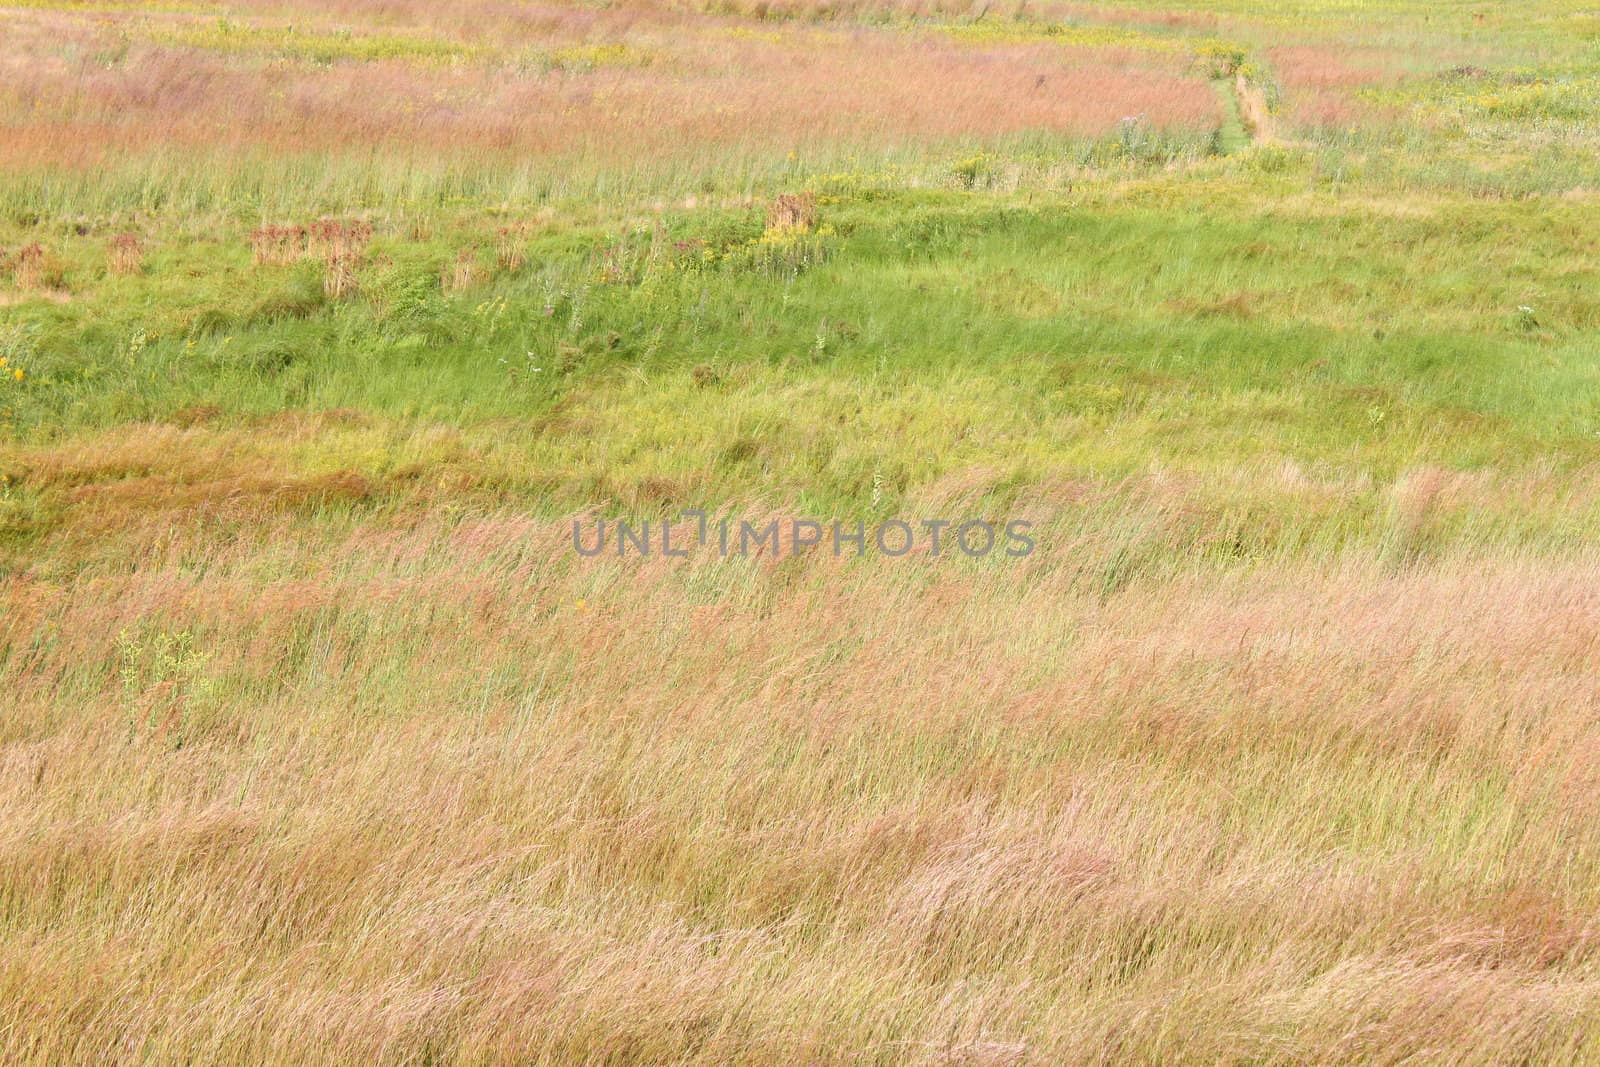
x=321, y=324
x=574, y=103
x=363, y=790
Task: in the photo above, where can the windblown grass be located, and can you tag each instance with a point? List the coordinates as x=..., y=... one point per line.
x=116, y=102
x=396, y=792
x=321, y=323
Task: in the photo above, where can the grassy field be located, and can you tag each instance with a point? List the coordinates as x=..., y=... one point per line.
x=321, y=325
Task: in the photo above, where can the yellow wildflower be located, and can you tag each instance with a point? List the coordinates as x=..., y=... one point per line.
x=19, y=374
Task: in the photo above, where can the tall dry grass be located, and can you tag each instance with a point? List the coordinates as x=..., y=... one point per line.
x=413, y=790
x=627, y=94
x=1322, y=84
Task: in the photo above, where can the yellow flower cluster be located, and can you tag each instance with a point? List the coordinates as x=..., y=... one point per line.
x=590, y=57
x=1523, y=98
x=15, y=372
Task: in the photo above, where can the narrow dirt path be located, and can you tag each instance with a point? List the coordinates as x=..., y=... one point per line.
x=1253, y=111
x=1246, y=118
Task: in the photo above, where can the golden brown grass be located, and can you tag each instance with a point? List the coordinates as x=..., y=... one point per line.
x=28, y=266
x=315, y=747
x=463, y=273
x=278, y=245
x=792, y=211
x=441, y=792
x=511, y=252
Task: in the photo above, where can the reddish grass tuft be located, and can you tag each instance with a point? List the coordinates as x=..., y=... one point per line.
x=793, y=211
x=511, y=248
x=28, y=270
x=127, y=254
x=278, y=245
x=342, y=246
x=461, y=274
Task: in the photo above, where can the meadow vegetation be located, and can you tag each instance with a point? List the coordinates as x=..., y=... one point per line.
x=321, y=322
